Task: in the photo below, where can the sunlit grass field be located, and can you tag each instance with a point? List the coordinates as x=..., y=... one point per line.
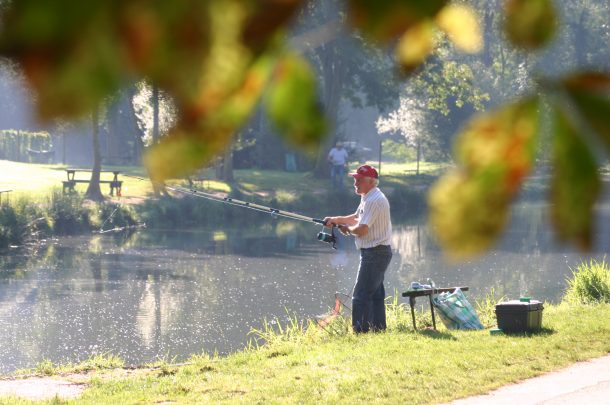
x=32, y=179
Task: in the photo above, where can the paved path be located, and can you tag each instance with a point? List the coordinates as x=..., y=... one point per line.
x=39, y=388
x=581, y=383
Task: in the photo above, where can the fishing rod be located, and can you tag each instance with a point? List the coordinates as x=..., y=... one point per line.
x=323, y=236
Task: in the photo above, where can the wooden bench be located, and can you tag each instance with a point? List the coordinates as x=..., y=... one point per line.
x=3, y=191
x=412, y=294
x=115, y=183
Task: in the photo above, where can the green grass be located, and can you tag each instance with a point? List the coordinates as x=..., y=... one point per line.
x=40, y=179
x=305, y=364
x=589, y=283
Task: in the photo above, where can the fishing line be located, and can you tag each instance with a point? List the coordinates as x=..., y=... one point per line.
x=322, y=236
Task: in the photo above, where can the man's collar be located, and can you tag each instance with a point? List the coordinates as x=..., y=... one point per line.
x=370, y=192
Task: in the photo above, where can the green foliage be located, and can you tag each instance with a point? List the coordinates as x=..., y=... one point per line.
x=397, y=151
x=486, y=308
x=68, y=215
x=14, y=144
x=22, y=221
x=26, y=220
x=589, y=284
x=115, y=216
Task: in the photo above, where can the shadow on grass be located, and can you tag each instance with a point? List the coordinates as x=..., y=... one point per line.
x=541, y=332
x=434, y=334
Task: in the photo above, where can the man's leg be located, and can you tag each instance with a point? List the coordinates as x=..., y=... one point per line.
x=378, y=318
x=368, y=281
x=339, y=176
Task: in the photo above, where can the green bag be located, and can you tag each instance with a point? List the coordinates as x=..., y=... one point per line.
x=456, y=312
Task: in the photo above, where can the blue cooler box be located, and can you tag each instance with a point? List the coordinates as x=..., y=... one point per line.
x=519, y=316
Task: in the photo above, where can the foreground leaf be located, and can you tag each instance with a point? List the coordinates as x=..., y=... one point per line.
x=68, y=50
x=415, y=45
x=386, y=20
x=291, y=102
x=530, y=23
x=575, y=185
x=462, y=26
x=590, y=93
x=194, y=142
x=469, y=205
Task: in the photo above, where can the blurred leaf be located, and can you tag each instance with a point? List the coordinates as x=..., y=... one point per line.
x=462, y=26
x=590, y=93
x=469, y=205
x=292, y=104
x=530, y=23
x=575, y=185
x=589, y=81
x=386, y=20
x=195, y=141
x=502, y=143
x=465, y=214
x=67, y=49
x=415, y=45
x=266, y=18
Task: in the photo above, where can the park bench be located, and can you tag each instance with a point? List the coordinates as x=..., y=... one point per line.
x=412, y=294
x=5, y=191
x=115, y=183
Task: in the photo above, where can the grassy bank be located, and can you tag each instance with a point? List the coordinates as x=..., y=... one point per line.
x=311, y=365
x=37, y=208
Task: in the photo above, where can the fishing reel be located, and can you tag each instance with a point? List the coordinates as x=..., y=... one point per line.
x=329, y=238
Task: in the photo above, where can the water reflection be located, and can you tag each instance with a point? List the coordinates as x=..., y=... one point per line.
x=153, y=294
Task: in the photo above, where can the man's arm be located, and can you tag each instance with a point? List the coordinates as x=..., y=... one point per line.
x=356, y=230
x=345, y=220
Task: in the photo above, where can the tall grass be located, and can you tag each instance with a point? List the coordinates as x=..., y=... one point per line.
x=486, y=308
x=589, y=283
x=28, y=219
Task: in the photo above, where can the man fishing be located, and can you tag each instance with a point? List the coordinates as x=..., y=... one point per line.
x=372, y=228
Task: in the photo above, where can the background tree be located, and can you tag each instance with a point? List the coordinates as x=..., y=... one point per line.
x=94, y=192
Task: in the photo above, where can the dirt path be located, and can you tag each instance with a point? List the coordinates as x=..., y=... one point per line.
x=39, y=388
x=63, y=386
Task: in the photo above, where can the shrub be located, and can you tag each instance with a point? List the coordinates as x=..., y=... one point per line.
x=68, y=215
x=589, y=284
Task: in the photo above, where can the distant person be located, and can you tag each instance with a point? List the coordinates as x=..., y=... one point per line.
x=337, y=157
x=372, y=228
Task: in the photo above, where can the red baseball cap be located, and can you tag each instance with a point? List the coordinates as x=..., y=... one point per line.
x=365, y=171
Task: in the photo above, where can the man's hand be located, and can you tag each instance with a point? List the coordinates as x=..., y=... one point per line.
x=329, y=221
x=344, y=229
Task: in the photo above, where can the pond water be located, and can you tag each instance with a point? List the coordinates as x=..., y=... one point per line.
x=154, y=295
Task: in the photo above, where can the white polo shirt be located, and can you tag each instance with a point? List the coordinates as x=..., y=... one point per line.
x=337, y=156
x=374, y=211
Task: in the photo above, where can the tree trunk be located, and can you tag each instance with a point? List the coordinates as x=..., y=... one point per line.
x=93, y=191
x=158, y=188
x=333, y=73
x=155, y=103
x=227, y=167
x=418, y=156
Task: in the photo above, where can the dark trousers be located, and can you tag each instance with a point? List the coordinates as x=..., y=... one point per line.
x=368, y=301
